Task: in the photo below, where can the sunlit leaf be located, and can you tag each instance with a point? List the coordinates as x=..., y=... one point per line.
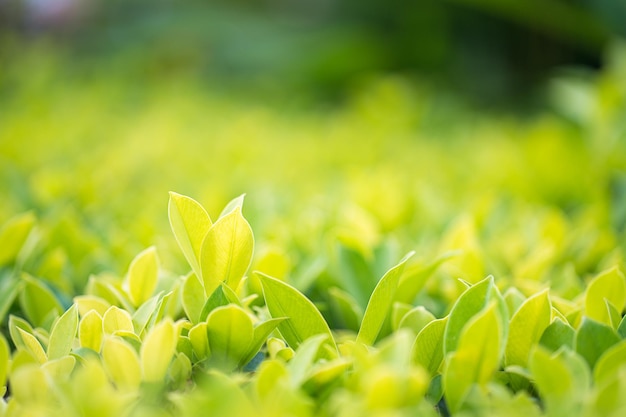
x=115, y=319
x=142, y=276
x=526, y=327
x=193, y=297
x=86, y=303
x=63, y=334
x=190, y=224
x=380, y=303
x=121, y=362
x=5, y=353
x=230, y=334
x=90, y=331
x=416, y=319
x=476, y=358
x=609, y=363
x=33, y=346
x=199, y=340
x=10, y=287
x=13, y=235
x=304, y=319
x=38, y=302
x=608, y=285
x=226, y=251
x=557, y=335
x=416, y=276
x=427, y=350
x=157, y=351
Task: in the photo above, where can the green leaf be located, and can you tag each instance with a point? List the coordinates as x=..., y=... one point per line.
x=621, y=329
x=146, y=313
x=608, y=285
x=304, y=319
x=230, y=334
x=199, y=341
x=90, y=331
x=428, y=346
x=513, y=299
x=16, y=323
x=416, y=276
x=476, y=358
x=190, y=223
x=222, y=296
x=63, y=334
x=38, y=302
x=562, y=380
x=470, y=303
x=380, y=303
x=121, y=362
x=193, y=297
x=261, y=333
x=5, y=354
x=116, y=319
x=157, y=351
x=235, y=203
x=526, y=327
x=86, y=303
x=10, y=287
x=226, y=251
x=142, y=276
x=346, y=308
x=593, y=339
x=304, y=358
x=416, y=319
x=557, y=335
x=609, y=364
x=13, y=235
x=32, y=346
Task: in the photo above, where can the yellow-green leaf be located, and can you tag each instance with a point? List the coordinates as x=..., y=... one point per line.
x=193, y=297
x=476, y=358
x=13, y=235
x=38, y=302
x=86, y=303
x=32, y=345
x=115, y=319
x=5, y=354
x=226, y=251
x=90, y=331
x=121, y=362
x=304, y=319
x=190, y=224
x=63, y=334
x=157, y=351
x=428, y=346
x=379, y=303
x=142, y=276
x=199, y=340
x=610, y=362
x=230, y=333
x=526, y=327
x=608, y=285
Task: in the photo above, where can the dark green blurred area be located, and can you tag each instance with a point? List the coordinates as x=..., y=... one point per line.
x=496, y=52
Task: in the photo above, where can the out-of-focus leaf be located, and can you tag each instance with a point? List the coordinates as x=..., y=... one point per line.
x=157, y=351
x=416, y=276
x=235, y=203
x=347, y=307
x=222, y=296
x=230, y=334
x=557, y=335
x=304, y=358
x=608, y=285
x=593, y=339
x=142, y=276
x=10, y=287
x=121, y=362
x=146, y=312
x=470, y=303
x=5, y=353
x=416, y=319
x=63, y=334
x=13, y=235
x=199, y=340
x=190, y=224
x=428, y=347
x=60, y=368
x=226, y=251
x=608, y=365
x=526, y=327
x=304, y=319
x=380, y=303
x=476, y=358
x=86, y=303
x=193, y=297
x=38, y=302
x=513, y=299
x=32, y=345
x=116, y=319
x=90, y=331
x=261, y=333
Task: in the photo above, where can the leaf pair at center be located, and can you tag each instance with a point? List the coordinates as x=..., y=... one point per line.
x=217, y=252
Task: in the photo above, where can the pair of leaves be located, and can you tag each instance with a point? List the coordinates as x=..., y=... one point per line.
x=605, y=294
x=217, y=252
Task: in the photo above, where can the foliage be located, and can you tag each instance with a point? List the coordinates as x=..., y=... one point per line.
x=509, y=302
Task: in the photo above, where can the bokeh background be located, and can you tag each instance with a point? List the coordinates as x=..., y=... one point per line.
x=364, y=128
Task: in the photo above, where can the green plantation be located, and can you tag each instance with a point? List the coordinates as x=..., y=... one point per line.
x=168, y=249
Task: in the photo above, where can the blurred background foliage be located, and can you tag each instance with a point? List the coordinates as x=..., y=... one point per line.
x=358, y=129
x=495, y=51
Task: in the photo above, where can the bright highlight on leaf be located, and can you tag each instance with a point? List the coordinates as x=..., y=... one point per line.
x=608, y=286
x=157, y=351
x=142, y=276
x=226, y=251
